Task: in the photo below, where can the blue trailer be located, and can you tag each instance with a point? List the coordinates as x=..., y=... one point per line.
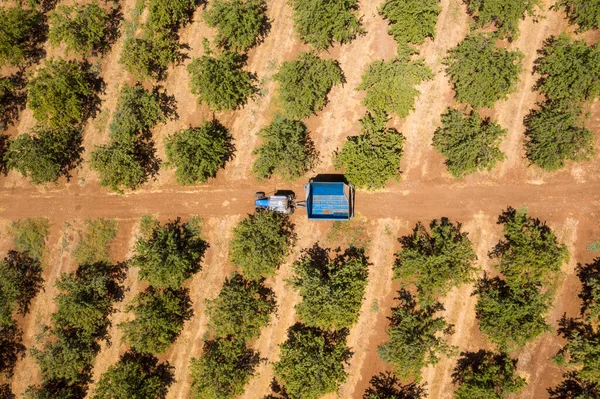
x=329, y=200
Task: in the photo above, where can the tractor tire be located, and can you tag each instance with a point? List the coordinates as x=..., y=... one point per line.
x=259, y=195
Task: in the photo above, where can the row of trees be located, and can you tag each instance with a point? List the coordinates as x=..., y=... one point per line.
x=243, y=307
x=20, y=281
x=149, y=54
x=581, y=354
x=371, y=159
x=167, y=256
x=556, y=132
x=66, y=351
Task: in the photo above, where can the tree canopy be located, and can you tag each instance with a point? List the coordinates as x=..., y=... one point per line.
x=555, y=134
x=87, y=298
x=45, y=154
x=83, y=28
x=287, y=150
x=411, y=21
x=198, y=153
x=260, y=243
x=332, y=287
x=20, y=281
x=312, y=361
x=469, y=142
x=574, y=388
x=241, y=24
x=582, y=350
x=305, y=83
x=415, y=337
x=29, y=235
x=371, y=159
x=241, y=309
x=12, y=101
x=171, y=255
x=511, y=316
x=505, y=14
x=20, y=35
x=159, y=317
x=170, y=15
x=482, y=73
x=584, y=13
x=435, y=261
x=223, y=370
x=386, y=386
x=64, y=93
x=149, y=58
x=569, y=69
x=321, y=23
x=589, y=275
x=11, y=350
x=221, y=82
x=135, y=375
x=390, y=85
x=486, y=374
x=530, y=251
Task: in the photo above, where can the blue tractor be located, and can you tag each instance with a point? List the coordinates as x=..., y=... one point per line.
x=324, y=201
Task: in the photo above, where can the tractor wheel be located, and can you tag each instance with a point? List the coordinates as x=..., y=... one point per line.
x=259, y=195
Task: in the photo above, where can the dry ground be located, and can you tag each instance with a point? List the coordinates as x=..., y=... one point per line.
x=569, y=200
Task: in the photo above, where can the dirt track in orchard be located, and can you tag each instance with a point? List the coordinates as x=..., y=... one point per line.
x=569, y=200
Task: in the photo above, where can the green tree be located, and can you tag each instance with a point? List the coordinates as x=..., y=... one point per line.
x=511, y=316
x=390, y=85
x=149, y=58
x=305, y=83
x=159, y=317
x=11, y=350
x=505, y=14
x=223, y=370
x=411, y=21
x=6, y=392
x=169, y=15
x=435, y=261
x=386, y=386
x=573, y=387
x=486, y=374
x=241, y=24
x=64, y=93
x=135, y=375
x=585, y=13
x=332, y=288
x=12, y=101
x=83, y=28
x=122, y=166
x=29, y=236
x=59, y=389
x=260, y=244
x=530, y=251
x=321, y=23
x=482, y=73
x=46, y=154
x=20, y=35
x=589, y=275
x=468, y=142
x=87, y=298
x=555, y=134
x=65, y=355
x=312, y=362
x=171, y=255
x=241, y=309
x=287, y=150
x=582, y=351
x=569, y=69
x=221, y=82
x=416, y=337
x=20, y=281
x=371, y=159
x=199, y=153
